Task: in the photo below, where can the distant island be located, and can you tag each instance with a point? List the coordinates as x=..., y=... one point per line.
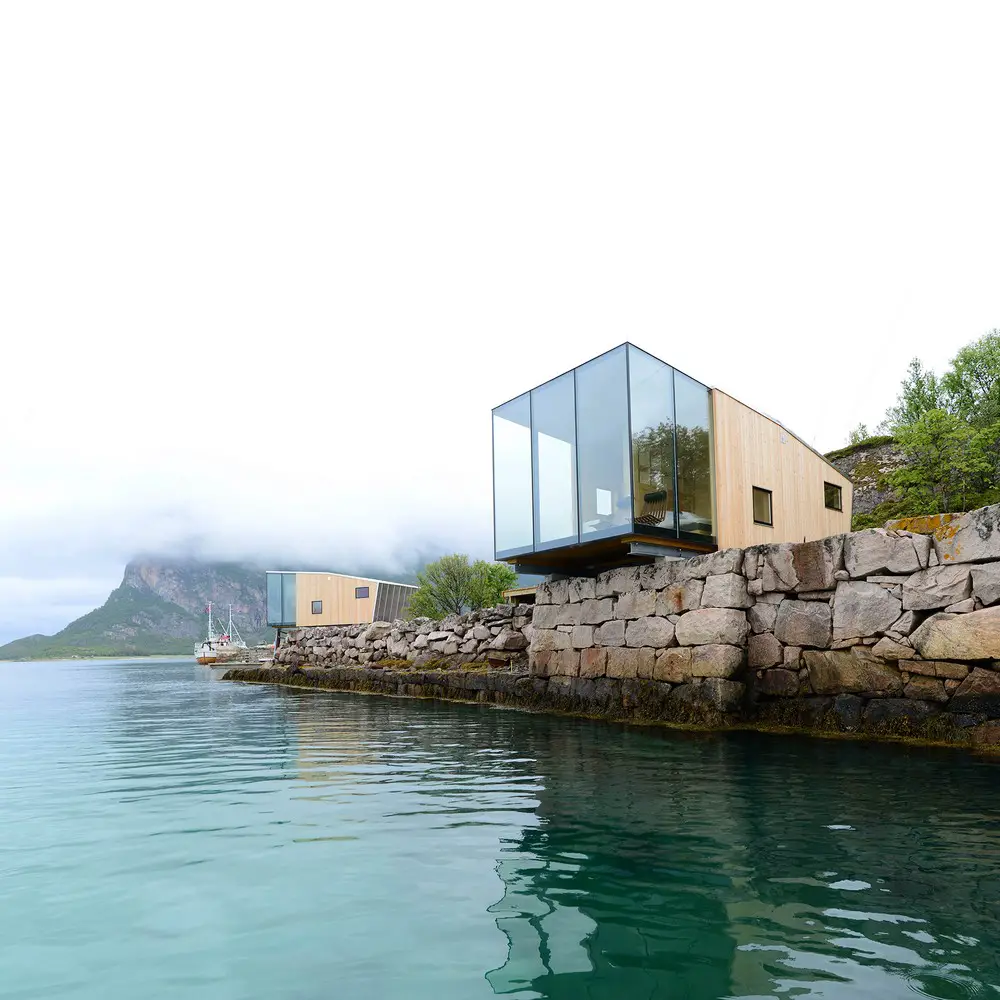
x=159, y=609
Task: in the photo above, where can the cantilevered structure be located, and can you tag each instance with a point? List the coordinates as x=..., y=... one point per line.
x=625, y=458
x=295, y=599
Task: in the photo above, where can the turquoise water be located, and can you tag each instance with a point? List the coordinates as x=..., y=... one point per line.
x=164, y=834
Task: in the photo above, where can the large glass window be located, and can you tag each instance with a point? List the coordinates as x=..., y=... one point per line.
x=553, y=455
x=651, y=397
x=288, y=598
x=274, y=599
x=512, y=477
x=280, y=598
x=602, y=446
x=694, y=456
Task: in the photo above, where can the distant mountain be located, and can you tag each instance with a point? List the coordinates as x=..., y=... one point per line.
x=159, y=607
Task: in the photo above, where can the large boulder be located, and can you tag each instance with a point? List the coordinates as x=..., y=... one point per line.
x=580, y=588
x=625, y=662
x=716, y=660
x=722, y=694
x=617, y=581
x=596, y=612
x=544, y=638
x=881, y=551
x=846, y=672
x=803, y=623
x=973, y=537
x=762, y=617
x=653, y=632
x=863, y=609
x=727, y=590
x=701, y=567
x=552, y=592
x=679, y=597
x=801, y=566
x=593, y=662
x=778, y=683
x=979, y=692
x=937, y=587
x=712, y=625
x=986, y=583
x=673, y=664
x=509, y=639
x=764, y=651
x=974, y=636
x=637, y=604
x=925, y=689
x=889, y=649
x=610, y=634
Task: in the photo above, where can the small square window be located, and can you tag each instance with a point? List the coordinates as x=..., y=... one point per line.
x=762, y=513
x=360, y=592
x=833, y=496
x=317, y=607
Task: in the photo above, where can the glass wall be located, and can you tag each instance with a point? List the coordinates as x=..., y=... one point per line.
x=694, y=456
x=602, y=446
x=651, y=398
x=512, y=517
x=620, y=444
x=553, y=458
x=280, y=598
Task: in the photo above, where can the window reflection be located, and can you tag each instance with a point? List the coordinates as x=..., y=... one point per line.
x=512, y=476
x=620, y=444
x=553, y=421
x=652, y=401
x=694, y=455
x=602, y=446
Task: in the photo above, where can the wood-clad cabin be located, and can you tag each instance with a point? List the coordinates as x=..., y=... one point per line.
x=296, y=599
x=625, y=458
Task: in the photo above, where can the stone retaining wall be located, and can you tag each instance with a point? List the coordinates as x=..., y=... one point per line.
x=498, y=636
x=871, y=628
x=883, y=631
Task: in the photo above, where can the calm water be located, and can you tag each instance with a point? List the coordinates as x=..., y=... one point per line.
x=163, y=834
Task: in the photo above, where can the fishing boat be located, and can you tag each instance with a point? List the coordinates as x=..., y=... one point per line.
x=224, y=647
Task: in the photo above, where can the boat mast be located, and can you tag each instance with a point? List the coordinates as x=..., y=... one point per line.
x=211, y=631
x=234, y=634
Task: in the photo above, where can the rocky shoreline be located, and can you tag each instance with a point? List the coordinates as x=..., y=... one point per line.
x=632, y=700
x=890, y=632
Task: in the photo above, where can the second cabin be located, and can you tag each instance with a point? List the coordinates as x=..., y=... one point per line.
x=297, y=599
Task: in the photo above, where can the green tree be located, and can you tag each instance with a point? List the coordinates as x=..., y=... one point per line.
x=920, y=393
x=859, y=434
x=452, y=585
x=949, y=465
x=972, y=386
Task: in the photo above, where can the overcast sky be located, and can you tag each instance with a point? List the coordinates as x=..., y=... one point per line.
x=265, y=268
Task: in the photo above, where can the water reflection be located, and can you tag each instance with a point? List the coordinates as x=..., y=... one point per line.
x=669, y=865
x=174, y=835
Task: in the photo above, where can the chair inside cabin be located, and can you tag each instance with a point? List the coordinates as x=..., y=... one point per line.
x=656, y=508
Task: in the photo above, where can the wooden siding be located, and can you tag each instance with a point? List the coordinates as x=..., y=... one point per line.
x=752, y=450
x=340, y=606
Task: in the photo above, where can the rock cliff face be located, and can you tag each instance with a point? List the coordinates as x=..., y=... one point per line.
x=868, y=466
x=159, y=607
x=191, y=585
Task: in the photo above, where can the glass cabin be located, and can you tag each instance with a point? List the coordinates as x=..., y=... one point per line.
x=608, y=464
